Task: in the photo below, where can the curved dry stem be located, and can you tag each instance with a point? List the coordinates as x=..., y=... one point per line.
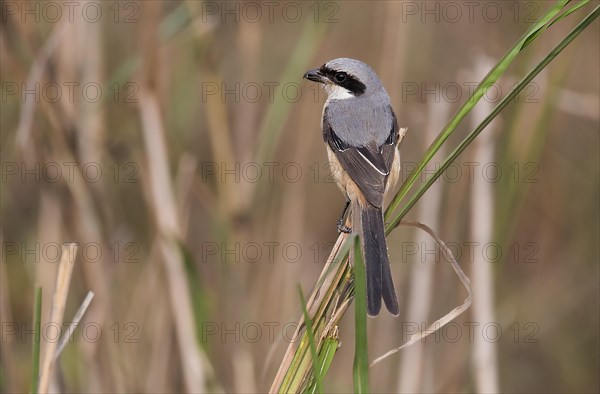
x=448, y=317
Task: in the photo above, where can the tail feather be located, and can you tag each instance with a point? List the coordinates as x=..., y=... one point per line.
x=379, y=276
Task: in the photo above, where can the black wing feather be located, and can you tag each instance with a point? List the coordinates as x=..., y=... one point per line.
x=388, y=149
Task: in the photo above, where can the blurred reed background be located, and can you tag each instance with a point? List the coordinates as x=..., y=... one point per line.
x=178, y=145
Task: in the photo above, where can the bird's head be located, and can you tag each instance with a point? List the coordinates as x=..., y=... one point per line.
x=346, y=78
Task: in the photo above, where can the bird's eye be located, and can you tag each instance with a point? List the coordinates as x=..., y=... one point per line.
x=340, y=77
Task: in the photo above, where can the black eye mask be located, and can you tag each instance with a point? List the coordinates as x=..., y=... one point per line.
x=345, y=80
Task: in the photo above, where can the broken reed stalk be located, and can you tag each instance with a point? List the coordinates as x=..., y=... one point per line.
x=73, y=325
x=63, y=279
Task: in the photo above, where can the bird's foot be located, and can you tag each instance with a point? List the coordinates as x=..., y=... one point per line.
x=343, y=228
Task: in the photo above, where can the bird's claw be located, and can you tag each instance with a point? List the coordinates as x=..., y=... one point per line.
x=343, y=228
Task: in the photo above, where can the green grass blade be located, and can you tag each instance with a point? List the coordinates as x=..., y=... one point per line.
x=299, y=367
x=569, y=11
x=330, y=345
x=312, y=344
x=558, y=18
x=37, y=319
x=493, y=76
x=463, y=145
x=361, y=354
x=174, y=22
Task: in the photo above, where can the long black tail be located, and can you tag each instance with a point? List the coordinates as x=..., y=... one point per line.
x=377, y=263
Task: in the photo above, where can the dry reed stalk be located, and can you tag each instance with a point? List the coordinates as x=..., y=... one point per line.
x=63, y=279
x=232, y=201
x=23, y=137
x=318, y=308
x=74, y=323
x=184, y=182
x=448, y=317
x=394, y=48
x=90, y=118
x=485, y=359
x=410, y=377
x=169, y=234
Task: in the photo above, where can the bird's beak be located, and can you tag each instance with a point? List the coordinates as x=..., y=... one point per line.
x=316, y=76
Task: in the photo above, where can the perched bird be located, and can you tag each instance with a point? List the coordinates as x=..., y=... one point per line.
x=361, y=133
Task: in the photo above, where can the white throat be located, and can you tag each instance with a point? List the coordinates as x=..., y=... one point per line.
x=335, y=92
